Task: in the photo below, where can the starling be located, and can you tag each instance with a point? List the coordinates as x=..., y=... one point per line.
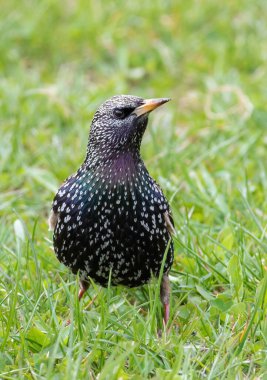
x=110, y=219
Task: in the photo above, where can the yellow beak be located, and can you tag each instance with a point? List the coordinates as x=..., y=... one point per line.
x=149, y=105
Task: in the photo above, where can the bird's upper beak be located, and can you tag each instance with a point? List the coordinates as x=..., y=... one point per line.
x=149, y=105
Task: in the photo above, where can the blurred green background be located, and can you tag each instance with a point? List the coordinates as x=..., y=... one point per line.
x=207, y=149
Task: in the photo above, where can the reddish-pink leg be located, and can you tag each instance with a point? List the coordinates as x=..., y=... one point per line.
x=84, y=285
x=166, y=313
x=165, y=297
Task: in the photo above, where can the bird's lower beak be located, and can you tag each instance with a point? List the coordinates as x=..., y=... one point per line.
x=149, y=105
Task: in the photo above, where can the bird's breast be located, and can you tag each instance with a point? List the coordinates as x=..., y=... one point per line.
x=107, y=221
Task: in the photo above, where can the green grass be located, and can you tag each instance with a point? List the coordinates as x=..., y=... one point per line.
x=207, y=149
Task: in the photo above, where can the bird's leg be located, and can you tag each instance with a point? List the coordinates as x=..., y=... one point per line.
x=84, y=285
x=165, y=296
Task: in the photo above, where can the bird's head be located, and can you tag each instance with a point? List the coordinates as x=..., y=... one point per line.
x=119, y=124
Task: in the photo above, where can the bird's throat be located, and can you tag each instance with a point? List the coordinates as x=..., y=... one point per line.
x=122, y=168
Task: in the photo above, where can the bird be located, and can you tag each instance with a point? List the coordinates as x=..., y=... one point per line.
x=110, y=220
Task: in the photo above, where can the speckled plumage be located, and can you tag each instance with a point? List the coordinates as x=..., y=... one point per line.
x=110, y=216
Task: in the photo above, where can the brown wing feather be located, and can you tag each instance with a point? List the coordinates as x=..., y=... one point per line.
x=169, y=223
x=167, y=215
x=52, y=220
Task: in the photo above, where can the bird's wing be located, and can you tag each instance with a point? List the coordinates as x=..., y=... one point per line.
x=167, y=214
x=52, y=220
x=57, y=202
x=169, y=222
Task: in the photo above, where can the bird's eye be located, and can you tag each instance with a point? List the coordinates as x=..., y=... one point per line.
x=119, y=113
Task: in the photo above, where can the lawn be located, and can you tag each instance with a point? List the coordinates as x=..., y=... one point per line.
x=207, y=149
